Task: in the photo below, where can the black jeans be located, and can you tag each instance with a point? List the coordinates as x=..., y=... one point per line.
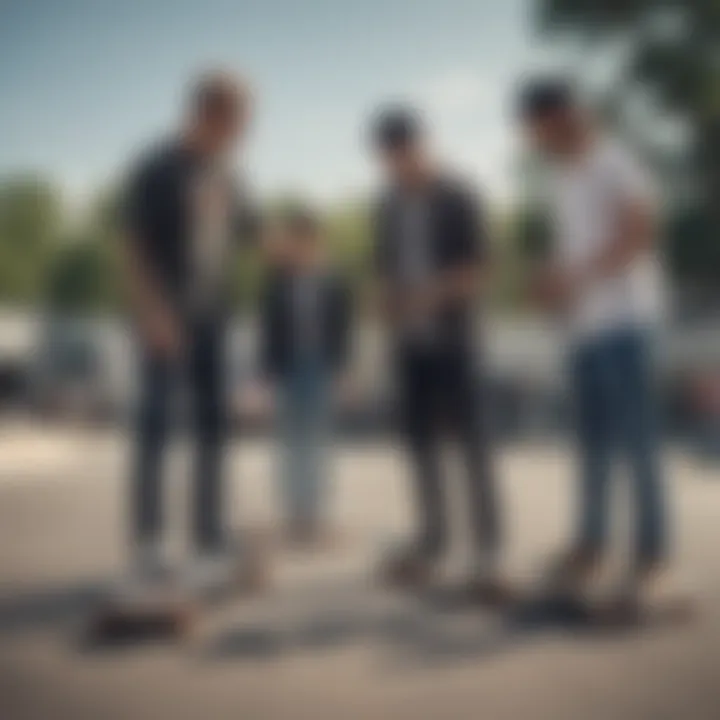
x=441, y=393
x=201, y=371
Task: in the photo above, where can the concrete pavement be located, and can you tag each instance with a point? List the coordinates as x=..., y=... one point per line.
x=325, y=642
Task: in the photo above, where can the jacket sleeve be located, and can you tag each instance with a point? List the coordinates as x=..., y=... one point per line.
x=268, y=360
x=380, y=229
x=470, y=241
x=343, y=325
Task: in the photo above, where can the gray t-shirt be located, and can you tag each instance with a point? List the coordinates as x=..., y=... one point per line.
x=415, y=264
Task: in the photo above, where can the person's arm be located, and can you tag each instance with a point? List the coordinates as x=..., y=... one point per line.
x=467, y=270
x=248, y=221
x=384, y=300
x=158, y=326
x=267, y=355
x=344, y=317
x=467, y=279
x=634, y=238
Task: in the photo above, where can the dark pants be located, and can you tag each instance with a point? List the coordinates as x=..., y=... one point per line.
x=201, y=371
x=440, y=395
x=616, y=416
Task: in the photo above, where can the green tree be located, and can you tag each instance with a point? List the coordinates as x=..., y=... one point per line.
x=83, y=278
x=30, y=216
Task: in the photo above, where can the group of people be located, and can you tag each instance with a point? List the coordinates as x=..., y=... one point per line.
x=185, y=211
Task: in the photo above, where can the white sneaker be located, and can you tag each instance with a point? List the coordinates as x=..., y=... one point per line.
x=210, y=571
x=152, y=563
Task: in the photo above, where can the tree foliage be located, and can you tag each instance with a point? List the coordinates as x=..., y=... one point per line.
x=30, y=211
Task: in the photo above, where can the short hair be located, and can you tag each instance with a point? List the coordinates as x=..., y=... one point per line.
x=541, y=97
x=218, y=93
x=301, y=221
x=396, y=127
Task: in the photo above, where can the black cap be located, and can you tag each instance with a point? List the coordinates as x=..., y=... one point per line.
x=542, y=96
x=396, y=127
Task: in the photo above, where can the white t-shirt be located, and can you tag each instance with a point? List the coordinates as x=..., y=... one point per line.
x=212, y=210
x=587, y=199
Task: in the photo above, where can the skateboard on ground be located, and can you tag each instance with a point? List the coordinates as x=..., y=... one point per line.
x=616, y=611
x=169, y=610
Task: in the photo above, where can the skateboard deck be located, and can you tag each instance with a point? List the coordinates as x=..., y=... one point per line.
x=168, y=610
x=154, y=614
x=622, y=612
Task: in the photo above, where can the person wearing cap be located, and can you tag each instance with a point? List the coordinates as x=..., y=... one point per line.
x=182, y=212
x=431, y=250
x=604, y=282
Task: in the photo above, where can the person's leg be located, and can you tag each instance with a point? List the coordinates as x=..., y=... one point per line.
x=206, y=370
x=304, y=430
x=592, y=379
x=419, y=393
x=638, y=416
x=468, y=407
x=156, y=384
x=155, y=387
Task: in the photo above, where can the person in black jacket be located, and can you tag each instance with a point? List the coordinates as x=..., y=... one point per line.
x=304, y=339
x=181, y=222
x=431, y=255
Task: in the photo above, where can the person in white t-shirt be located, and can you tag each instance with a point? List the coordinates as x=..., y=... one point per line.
x=604, y=282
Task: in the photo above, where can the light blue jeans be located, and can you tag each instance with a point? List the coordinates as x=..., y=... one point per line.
x=305, y=437
x=616, y=417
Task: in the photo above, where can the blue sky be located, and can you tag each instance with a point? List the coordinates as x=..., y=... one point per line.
x=85, y=82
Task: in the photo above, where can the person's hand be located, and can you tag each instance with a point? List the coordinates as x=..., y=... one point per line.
x=162, y=333
x=258, y=400
x=555, y=288
x=415, y=305
x=346, y=391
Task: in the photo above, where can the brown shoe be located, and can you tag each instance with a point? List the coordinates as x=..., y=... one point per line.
x=491, y=591
x=313, y=536
x=575, y=569
x=650, y=594
x=409, y=569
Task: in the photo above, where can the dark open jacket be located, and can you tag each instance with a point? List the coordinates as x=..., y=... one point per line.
x=457, y=238
x=278, y=332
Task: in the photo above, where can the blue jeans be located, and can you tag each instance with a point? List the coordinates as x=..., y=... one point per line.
x=305, y=435
x=616, y=417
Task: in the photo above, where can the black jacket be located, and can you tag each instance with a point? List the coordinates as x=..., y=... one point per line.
x=156, y=216
x=279, y=342
x=456, y=235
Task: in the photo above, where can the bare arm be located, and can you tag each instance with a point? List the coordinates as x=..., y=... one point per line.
x=634, y=238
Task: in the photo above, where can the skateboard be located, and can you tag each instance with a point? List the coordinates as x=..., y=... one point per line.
x=168, y=610
x=614, y=612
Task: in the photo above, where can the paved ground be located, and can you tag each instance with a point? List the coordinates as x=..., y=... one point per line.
x=326, y=643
